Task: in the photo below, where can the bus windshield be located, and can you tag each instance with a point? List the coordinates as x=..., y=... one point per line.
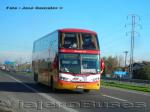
x=90, y=63
x=70, y=63
x=79, y=63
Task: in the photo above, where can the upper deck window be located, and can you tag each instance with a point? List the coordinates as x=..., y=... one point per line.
x=69, y=40
x=89, y=42
x=83, y=41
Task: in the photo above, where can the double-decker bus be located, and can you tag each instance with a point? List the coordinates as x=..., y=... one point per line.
x=68, y=59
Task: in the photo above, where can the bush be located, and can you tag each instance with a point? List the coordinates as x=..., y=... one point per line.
x=147, y=72
x=143, y=73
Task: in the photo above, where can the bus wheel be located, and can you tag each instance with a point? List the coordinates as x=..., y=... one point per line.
x=52, y=86
x=35, y=77
x=86, y=90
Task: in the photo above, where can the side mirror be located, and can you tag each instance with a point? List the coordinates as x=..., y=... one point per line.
x=102, y=65
x=55, y=62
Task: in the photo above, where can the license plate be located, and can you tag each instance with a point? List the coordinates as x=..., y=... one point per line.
x=78, y=79
x=80, y=86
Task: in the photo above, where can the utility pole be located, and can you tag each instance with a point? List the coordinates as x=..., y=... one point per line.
x=125, y=61
x=134, y=18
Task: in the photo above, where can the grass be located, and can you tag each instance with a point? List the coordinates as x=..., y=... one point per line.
x=25, y=73
x=125, y=86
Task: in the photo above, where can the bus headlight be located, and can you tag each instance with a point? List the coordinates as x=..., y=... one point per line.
x=95, y=79
x=64, y=78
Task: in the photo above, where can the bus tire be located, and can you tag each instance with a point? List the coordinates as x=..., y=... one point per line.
x=52, y=86
x=86, y=90
x=35, y=77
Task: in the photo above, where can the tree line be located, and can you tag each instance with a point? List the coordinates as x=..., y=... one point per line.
x=113, y=63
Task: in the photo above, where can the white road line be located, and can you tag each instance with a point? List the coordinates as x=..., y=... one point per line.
x=45, y=96
x=129, y=91
x=114, y=97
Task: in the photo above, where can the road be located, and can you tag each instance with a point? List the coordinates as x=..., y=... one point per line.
x=19, y=93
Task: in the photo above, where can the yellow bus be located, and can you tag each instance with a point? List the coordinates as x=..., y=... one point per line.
x=68, y=59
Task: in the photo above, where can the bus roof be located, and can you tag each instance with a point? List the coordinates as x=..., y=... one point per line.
x=70, y=30
x=77, y=30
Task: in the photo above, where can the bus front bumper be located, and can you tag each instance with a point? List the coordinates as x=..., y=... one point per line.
x=78, y=85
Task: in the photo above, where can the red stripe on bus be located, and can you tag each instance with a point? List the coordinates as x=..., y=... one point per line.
x=80, y=51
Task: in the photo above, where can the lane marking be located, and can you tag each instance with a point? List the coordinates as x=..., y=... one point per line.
x=44, y=95
x=129, y=91
x=113, y=97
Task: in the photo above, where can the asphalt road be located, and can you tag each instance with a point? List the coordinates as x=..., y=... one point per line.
x=19, y=93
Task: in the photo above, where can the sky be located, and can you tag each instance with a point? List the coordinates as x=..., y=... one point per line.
x=20, y=28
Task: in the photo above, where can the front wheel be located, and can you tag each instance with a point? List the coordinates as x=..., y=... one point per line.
x=86, y=90
x=52, y=86
x=35, y=77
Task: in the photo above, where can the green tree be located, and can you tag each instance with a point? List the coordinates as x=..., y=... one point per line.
x=146, y=74
x=143, y=73
x=110, y=64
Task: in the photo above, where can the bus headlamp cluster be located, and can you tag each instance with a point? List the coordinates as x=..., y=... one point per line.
x=64, y=78
x=95, y=79
x=69, y=77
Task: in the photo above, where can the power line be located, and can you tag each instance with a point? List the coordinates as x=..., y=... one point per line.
x=134, y=19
